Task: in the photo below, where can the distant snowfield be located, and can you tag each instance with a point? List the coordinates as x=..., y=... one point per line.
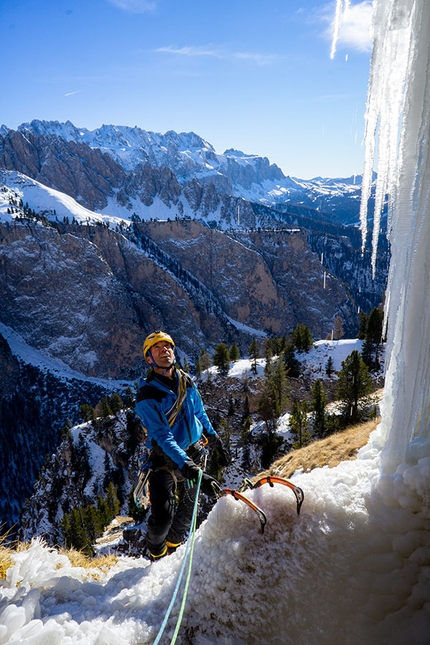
x=55, y=205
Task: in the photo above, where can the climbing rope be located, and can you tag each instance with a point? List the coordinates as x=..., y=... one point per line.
x=188, y=550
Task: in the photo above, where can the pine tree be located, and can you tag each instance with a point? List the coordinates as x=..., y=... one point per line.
x=318, y=408
x=246, y=412
x=299, y=424
x=270, y=445
x=198, y=368
x=107, y=471
x=374, y=326
x=205, y=360
x=103, y=408
x=87, y=412
x=221, y=358
x=268, y=364
x=234, y=352
x=301, y=337
x=112, y=500
x=279, y=382
x=354, y=385
x=362, y=325
x=329, y=368
x=373, y=339
x=129, y=398
x=274, y=396
x=254, y=353
x=115, y=403
x=291, y=362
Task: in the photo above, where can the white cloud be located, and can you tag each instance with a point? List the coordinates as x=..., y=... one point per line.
x=356, y=26
x=351, y=26
x=260, y=59
x=218, y=52
x=135, y=6
x=191, y=51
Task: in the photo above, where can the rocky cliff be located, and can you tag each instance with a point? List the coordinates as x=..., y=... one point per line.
x=88, y=295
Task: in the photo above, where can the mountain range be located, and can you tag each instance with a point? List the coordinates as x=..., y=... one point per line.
x=119, y=155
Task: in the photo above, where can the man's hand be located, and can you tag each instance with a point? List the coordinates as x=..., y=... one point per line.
x=209, y=485
x=190, y=471
x=216, y=444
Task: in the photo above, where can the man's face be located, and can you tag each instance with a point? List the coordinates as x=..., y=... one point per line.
x=162, y=353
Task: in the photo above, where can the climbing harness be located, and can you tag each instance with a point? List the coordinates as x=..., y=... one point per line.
x=141, y=490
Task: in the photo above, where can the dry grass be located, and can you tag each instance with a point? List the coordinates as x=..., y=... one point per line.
x=6, y=552
x=96, y=566
x=338, y=447
x=79, y=559
x=5, y=561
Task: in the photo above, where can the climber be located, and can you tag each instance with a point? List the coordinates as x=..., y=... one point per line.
x=172, y=413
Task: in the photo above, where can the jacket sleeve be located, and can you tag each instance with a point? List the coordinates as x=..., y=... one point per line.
x=155, y=421
x=201, y=414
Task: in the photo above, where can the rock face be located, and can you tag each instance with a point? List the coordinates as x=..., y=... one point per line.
x=267, y=280
x=87, y=175
x=88, y=295
x=35, y=406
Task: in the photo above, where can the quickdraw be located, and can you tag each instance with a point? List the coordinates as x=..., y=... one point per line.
x=141, y=489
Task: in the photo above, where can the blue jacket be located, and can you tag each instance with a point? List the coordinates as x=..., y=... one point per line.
x=153, y=400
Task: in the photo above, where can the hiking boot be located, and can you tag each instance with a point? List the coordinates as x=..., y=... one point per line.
x=157, y=556
x=172, y=546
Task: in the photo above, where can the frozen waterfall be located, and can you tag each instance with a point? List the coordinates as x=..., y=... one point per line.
x=399, y=110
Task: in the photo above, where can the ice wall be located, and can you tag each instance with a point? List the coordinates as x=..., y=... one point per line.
x=398, y=113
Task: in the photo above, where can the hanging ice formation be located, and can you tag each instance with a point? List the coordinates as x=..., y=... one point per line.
x=398, y=113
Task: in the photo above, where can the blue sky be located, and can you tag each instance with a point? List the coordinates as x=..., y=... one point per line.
x=245, y=74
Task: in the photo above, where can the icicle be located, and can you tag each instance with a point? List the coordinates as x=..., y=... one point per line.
x=342, y=8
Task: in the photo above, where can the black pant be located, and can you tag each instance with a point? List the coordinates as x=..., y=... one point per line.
x=169, y=518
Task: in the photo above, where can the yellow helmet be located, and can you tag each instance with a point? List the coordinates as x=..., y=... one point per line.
x=154, y=338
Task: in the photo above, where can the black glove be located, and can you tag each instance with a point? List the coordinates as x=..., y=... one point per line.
x=216, y=444
x=190, y=470
x=210, y=486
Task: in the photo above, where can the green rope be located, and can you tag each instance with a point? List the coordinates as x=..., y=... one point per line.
x=190, y=564
x=187, y=551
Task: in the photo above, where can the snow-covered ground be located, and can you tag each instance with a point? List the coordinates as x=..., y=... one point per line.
x=352, y=568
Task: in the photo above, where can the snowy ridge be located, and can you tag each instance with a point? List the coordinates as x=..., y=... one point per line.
x=46, y=201
x=189, y=156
